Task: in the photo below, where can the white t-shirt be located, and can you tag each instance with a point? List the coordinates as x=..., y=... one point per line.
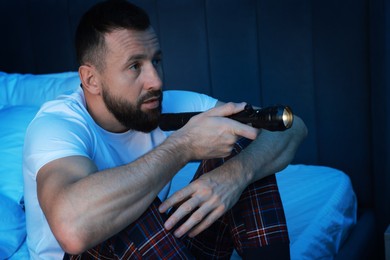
x=62, y=128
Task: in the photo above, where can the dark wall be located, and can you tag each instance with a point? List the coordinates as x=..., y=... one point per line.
x=327, y=59
x=380, y=80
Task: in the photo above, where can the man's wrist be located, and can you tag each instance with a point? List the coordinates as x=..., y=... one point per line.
x=181, y=145
x=244, y=171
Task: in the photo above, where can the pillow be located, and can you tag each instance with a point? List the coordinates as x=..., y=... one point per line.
x=320, y=207
x=13, y=121
x=29, y=89
x=12, y=227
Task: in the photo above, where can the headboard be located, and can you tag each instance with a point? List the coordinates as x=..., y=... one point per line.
x=312, y=55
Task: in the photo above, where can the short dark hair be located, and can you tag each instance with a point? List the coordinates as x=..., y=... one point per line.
x=103, y=18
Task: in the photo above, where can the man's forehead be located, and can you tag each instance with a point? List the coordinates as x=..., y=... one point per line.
x=121, y=39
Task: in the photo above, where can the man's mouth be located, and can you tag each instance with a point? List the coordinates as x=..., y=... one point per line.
x=151, y=103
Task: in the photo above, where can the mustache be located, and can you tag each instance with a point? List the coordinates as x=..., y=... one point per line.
x=151, y=94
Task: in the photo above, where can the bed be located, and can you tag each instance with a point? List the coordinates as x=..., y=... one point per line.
x=320, y=202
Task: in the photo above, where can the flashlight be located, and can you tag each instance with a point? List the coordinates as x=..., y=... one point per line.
x=273, y=118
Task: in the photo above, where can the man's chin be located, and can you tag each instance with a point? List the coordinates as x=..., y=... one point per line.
x=147, y=128
x=151, y=111
x=145, y=121
x=149, y=125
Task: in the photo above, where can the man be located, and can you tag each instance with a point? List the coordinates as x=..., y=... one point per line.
x=96, y=164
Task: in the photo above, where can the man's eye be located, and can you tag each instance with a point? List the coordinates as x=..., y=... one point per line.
x=156, y=62
x=135, y=66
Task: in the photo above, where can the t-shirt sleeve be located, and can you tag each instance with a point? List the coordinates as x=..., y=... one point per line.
x=176, y=101
x=49, y=138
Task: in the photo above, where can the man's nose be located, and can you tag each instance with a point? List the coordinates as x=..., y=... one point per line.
x=152, y=79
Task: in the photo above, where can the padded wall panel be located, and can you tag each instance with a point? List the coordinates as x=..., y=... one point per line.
x=52, y=35
x=16, y=39
x=286, y=54
x=183, y=39
x=340, y=31
x=233, y=50
x=380, y=63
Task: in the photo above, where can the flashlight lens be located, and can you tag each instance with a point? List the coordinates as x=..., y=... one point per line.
x=287, y=117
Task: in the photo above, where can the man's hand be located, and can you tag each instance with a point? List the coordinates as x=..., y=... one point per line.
x=212, y=135
x=204, y=201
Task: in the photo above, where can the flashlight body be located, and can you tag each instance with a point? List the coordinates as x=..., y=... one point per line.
x=273, y=118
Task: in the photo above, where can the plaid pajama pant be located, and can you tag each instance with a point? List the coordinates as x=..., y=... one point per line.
x=255, y=227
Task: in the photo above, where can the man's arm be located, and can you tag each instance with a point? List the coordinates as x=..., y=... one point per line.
x=85, y=207
x=216, y=192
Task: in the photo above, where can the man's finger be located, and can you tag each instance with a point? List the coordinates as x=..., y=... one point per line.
x=244, y=130
x=227, y=109
x=181, y=212
x=197, y=217
x=177, y=198
x=206, y=222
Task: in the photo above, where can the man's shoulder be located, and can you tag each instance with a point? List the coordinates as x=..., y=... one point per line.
x=64, y=106
x=64, y=114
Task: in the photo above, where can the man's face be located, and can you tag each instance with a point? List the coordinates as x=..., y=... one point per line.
x=131, y=116
x=131, y=79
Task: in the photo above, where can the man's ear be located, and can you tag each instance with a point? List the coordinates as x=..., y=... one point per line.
x=89, y=79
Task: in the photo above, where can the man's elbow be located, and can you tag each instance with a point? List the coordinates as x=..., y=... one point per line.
x=71, y=239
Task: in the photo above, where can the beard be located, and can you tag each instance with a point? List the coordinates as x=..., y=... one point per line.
x=131, y=116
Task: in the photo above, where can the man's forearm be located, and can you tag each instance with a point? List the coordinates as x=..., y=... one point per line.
x=270, y=152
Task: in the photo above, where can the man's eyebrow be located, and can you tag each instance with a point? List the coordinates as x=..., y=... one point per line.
x=143, y=56
x=136, y=57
